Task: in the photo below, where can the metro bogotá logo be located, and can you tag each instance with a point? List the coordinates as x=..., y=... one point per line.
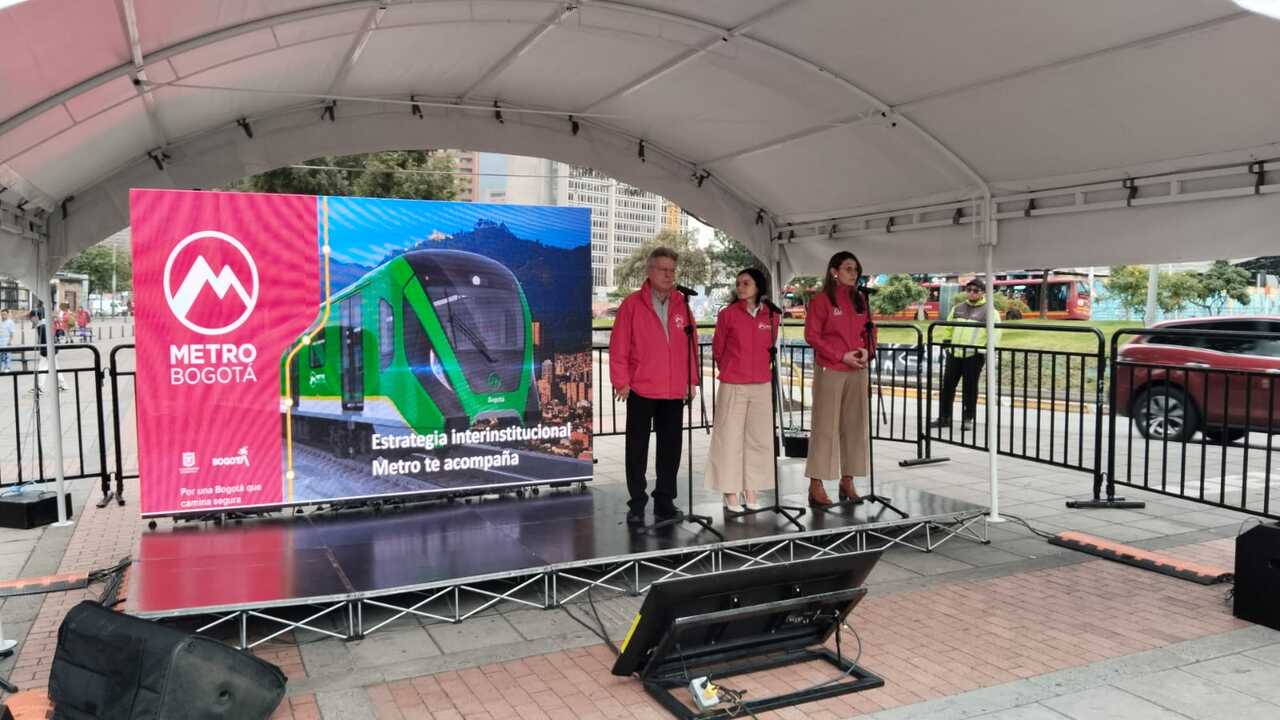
x=210, y=282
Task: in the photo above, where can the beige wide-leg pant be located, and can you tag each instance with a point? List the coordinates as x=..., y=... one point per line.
x=838, y=440
x=741, y=455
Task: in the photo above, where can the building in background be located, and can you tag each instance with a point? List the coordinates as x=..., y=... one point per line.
x=467, y=165
x=623, y=217
x=13, y=296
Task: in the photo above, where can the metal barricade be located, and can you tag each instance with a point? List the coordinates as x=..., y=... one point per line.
x=25, y=447
x=610, y=413
x=121, y=370
x=1047, y=407
x=1194, y=416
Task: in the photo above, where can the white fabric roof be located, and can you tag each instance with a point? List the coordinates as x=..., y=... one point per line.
x=825, y=112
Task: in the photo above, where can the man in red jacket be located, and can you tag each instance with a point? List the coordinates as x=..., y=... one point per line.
x=653, y=371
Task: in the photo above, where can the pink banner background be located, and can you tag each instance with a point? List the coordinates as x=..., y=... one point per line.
x=210, y=423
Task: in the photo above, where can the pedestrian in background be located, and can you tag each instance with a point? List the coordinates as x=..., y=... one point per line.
x=964, y=356
x=7, y=332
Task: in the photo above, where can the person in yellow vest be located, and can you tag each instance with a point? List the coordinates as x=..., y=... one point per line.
x=965, y=355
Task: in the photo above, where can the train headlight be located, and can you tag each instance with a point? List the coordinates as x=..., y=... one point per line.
x=438, y=371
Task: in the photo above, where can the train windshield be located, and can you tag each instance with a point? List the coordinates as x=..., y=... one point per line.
x=478, y=304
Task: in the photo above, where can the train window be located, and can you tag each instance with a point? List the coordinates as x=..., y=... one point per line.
x=317, y=351
x=1082, y=289
x=386, y=334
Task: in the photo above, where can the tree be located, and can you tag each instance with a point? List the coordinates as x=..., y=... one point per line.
x=96, y=262
x=1175, y=290
x=898, y=293
x=805, y=287
x=693, y=269
x=408, y=174
x=1128, y=285
x=1222, y=282
x=729, y=257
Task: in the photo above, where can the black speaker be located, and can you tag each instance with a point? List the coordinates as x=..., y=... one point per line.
x=795, y=446
x=1258, y=576
x=112, y=666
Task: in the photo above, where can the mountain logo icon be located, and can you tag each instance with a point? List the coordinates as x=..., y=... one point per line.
x=208, y=301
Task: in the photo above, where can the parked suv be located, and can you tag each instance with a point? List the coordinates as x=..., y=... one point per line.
x=1223, y=387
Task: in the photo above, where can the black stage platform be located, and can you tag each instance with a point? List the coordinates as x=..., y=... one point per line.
x=539, y=551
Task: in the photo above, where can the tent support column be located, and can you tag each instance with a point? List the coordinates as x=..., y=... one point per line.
x=989, y=240
x=52, y=382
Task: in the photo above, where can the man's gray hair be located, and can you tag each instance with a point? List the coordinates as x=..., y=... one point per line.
x=662, y=251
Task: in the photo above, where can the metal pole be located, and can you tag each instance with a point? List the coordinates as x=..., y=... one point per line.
x=993, y=387
x=53, y=393
x=113, y=280
x=1153, y=281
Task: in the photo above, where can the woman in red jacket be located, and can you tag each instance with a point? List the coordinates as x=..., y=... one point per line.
x=740, y=460
x=839, y=329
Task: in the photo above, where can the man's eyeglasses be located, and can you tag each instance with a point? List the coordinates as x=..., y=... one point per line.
x=973, y=290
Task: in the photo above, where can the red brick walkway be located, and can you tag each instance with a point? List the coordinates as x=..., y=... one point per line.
x=101, y=538
x=927, y=644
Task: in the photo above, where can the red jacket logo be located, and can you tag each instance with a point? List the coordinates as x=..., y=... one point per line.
x=208, y=301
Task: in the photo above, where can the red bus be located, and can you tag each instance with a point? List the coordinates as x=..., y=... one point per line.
x=1069, y=298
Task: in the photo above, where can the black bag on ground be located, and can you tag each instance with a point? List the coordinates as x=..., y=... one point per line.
x=112, y=666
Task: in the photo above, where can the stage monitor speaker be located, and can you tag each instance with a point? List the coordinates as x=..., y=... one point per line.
x=1258, y=576
x=111, y=666
x=744, y=621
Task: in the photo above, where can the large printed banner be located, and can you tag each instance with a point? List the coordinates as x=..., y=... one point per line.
x=296, y=349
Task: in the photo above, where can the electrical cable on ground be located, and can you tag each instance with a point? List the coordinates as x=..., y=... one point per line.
x=1027, y=525
x=598, y=631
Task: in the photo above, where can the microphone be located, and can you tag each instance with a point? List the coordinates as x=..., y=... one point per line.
x=686, y=291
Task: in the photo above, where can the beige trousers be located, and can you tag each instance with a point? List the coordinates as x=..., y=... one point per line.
x=838, y=440
x=741, y=455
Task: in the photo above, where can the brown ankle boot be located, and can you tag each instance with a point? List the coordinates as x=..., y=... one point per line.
x=818, y=494
x=847, y=491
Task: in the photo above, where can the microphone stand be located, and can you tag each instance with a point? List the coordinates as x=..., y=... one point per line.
x=790, y=512
x=868, y=332
x=690, y=331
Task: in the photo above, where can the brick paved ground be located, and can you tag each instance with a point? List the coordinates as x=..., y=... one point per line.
x=927, y=644
x=937, y=627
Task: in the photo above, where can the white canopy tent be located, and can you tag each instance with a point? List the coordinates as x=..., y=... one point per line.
x=1093, y=132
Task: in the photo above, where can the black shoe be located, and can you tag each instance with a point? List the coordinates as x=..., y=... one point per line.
x=666, y=513
x=634, y=518
x=966, y=424
x=941, y=423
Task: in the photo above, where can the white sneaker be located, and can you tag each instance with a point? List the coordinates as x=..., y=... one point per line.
x=733, y=508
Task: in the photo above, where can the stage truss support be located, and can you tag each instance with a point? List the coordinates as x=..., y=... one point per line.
x=553, y=586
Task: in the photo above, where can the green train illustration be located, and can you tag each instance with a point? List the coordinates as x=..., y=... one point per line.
x=432, y=340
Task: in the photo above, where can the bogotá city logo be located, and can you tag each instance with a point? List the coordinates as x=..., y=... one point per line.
x=208, y=301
